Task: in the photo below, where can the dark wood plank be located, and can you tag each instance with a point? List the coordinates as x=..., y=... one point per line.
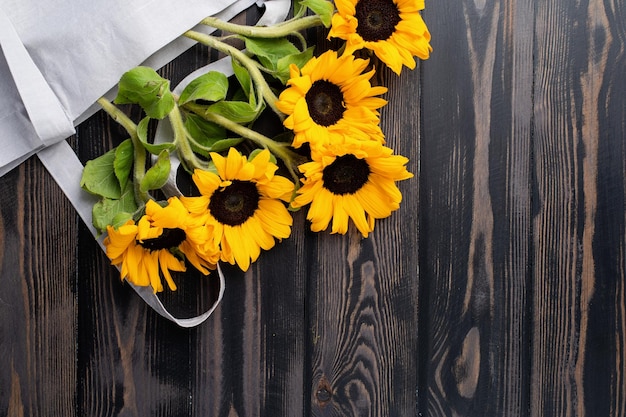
x=578, y=288
x=38, y=303
x=132, y=361
x=249, y=357
x=362, y=298
x=475, y=211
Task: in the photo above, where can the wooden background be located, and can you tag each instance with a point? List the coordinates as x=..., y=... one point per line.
x=497, y=289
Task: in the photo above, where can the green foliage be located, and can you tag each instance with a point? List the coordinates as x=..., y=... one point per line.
x=207, y=136
x=108, y=176
x=211, y=86
x=154, y=149
x=243, y=76
x=143, y=86
x=114, y=212
x=202, y=130
x=158, y=174
x=323, y=8
x=99, y=176
x=236, y=111
x=283, y=72
x=123, y=162
x=277, y=55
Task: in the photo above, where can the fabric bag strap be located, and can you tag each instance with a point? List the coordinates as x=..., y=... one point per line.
x=66, y=169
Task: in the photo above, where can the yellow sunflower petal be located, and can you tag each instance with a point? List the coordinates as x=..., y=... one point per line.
x=151, y=262
x=169, y=262
x=207, y=182
x=137, y=272
x=340, y=216
x=196, y=205
x=274, y=218
x=374, y=202
x=321, y=210
x=279, y=187
x=239, y=246
x=356, y=212
x=118, y=241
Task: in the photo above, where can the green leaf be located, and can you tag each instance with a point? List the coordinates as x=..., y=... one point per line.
x=237, y=111
x=123, y=162
x=224, y=144
x=300, y=59
x=142, y=134
x=120, y=218
x=243, y=76
x=209, y=137
x=323, y=8
x=99, y=176
x=269, y=51
x=211, y=86
x=158, y=174
x=143, y=86
x=298, y=8
x=114, y=211
x=202, y=130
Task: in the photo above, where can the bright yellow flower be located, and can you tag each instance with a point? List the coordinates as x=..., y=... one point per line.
x=242, y=205
x=331, y=97
x=152, y=244
x=354, y=179
x=393, y=29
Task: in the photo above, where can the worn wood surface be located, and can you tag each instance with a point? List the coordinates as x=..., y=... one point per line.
x=497, y=289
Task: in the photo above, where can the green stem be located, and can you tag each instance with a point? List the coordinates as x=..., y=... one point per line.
x=279, y=30
x=181, y=140
x=280, y=150
x=257, y=77
x=139, y=152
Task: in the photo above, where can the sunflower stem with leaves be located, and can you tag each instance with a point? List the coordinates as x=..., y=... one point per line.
x=326, y=101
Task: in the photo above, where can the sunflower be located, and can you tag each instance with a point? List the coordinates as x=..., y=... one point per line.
x=393, y=29
x=161, y=239
x=242, y=205
x=354, y=179
x=331, y=97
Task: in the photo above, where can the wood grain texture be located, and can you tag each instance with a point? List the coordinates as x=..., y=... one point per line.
x=578, y=269
x=38, y=303
x=131, y=361
x=475, y=210
x=363, y=299
x=497, y=289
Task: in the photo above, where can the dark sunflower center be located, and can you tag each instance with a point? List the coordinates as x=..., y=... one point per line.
x=325, y=102
x=377, y=19
x=170, y=238
x=346, y=175
x=236, y=203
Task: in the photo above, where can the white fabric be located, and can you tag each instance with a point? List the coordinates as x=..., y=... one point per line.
x=77, y=50
x=66, y=168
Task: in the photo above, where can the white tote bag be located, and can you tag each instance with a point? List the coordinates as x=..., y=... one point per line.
x=70, y=53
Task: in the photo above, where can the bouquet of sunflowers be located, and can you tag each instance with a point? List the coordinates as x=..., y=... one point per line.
x=329, y=156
